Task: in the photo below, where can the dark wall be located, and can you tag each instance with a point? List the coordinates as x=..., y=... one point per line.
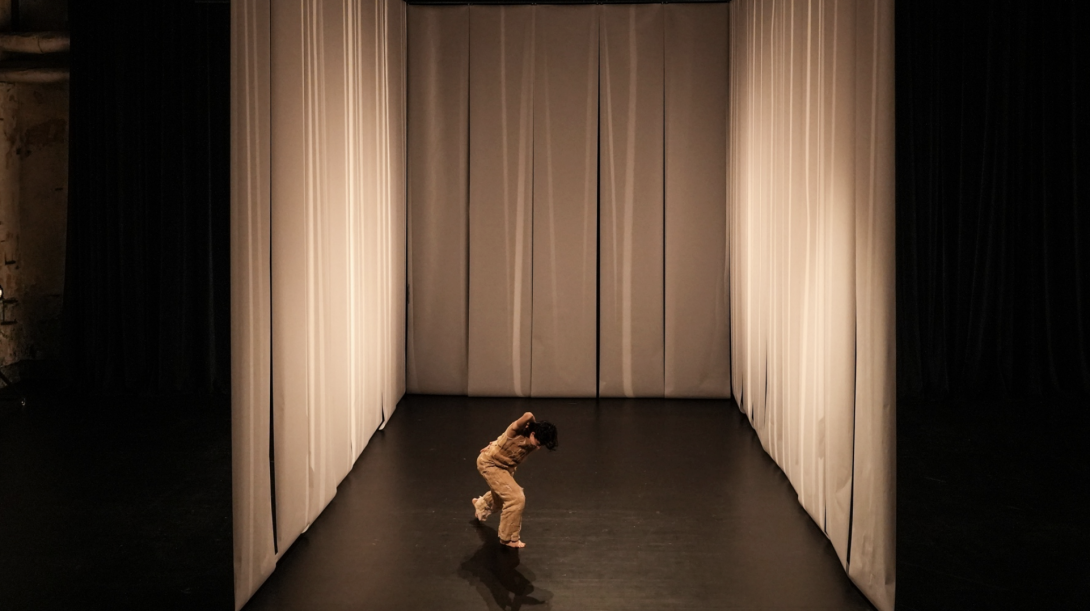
x=993, y=281
x=993, y=182
x=147, y=287
x=37, y=15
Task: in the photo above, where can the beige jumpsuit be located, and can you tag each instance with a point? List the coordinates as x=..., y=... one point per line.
x=497, y=464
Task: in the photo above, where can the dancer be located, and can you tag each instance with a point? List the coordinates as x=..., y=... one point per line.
x=497, y=463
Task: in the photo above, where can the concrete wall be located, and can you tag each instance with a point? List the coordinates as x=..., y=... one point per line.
x=33, y=208
x=33, y=213
x=9, y=218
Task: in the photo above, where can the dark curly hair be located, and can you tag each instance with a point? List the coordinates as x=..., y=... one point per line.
x=545, y=432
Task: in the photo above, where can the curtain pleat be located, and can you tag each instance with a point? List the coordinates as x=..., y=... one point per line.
x=565, y=203
x=438, y=164
x=873, y=554
x=811, y=204
x=326, y=337
x=251, y=342
x=838, y=327
x=630, y=332
x=501, y=182
x=293, y=121
x=394, y=67
x=597, y=200
x=697, y=318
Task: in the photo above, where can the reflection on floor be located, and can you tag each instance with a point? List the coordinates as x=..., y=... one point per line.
x=646, y=505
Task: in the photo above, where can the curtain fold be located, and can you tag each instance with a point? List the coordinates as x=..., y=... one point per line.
x=564, y=358
x=872, y=556
x=294, y=115
x=501, y=183
x=438, y=214
x=565, y=263
x=812, y=278
x=630, y=329
x=316, y=159
x=697, y=316
x=393, y=64
x=251, y=341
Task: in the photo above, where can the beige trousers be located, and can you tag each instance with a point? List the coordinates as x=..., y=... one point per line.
x=504, y=496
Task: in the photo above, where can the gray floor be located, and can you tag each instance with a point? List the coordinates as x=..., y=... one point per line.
x=647, y=504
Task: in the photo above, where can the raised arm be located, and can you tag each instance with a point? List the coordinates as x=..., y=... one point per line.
x=518, y=427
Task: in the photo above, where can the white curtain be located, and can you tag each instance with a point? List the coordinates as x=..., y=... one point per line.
x=251, y=340
x=630, y=237
x=317, y=257
x=697, y=313
x=438, y=175
x=565, y=203
x=501, y=148
x=812, y=261
x=559, y=178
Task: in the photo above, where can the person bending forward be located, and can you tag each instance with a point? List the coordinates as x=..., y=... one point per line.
x=497, y=463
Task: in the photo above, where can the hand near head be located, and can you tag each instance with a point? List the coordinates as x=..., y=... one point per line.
x=518, y=427
x=540, y=433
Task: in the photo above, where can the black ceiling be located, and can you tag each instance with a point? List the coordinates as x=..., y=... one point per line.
x=456, y=2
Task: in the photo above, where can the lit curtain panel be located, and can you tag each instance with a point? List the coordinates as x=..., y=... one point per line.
x=368, y=206
x=874, y=516
x=295, y=115
x=313, y=286
x=438, y=174
x=565, y=223
x=631, y=194
x=394, y=67
x=331, y=209
x=697, y=316
x=811, y=247
x=251, y=347
x=332, y=270
x=501, y=179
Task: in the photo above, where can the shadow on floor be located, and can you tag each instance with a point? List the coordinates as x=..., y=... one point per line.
x=493, y=571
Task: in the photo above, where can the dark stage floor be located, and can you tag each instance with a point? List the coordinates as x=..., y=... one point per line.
x=114, y=503
x=992, y=504
x=125, y=503
x=647, y=504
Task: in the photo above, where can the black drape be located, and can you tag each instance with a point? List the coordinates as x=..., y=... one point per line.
x=146, y=303
x=993, y=179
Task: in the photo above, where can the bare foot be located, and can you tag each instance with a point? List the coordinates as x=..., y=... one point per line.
x=476, y=511
x=514, y=544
